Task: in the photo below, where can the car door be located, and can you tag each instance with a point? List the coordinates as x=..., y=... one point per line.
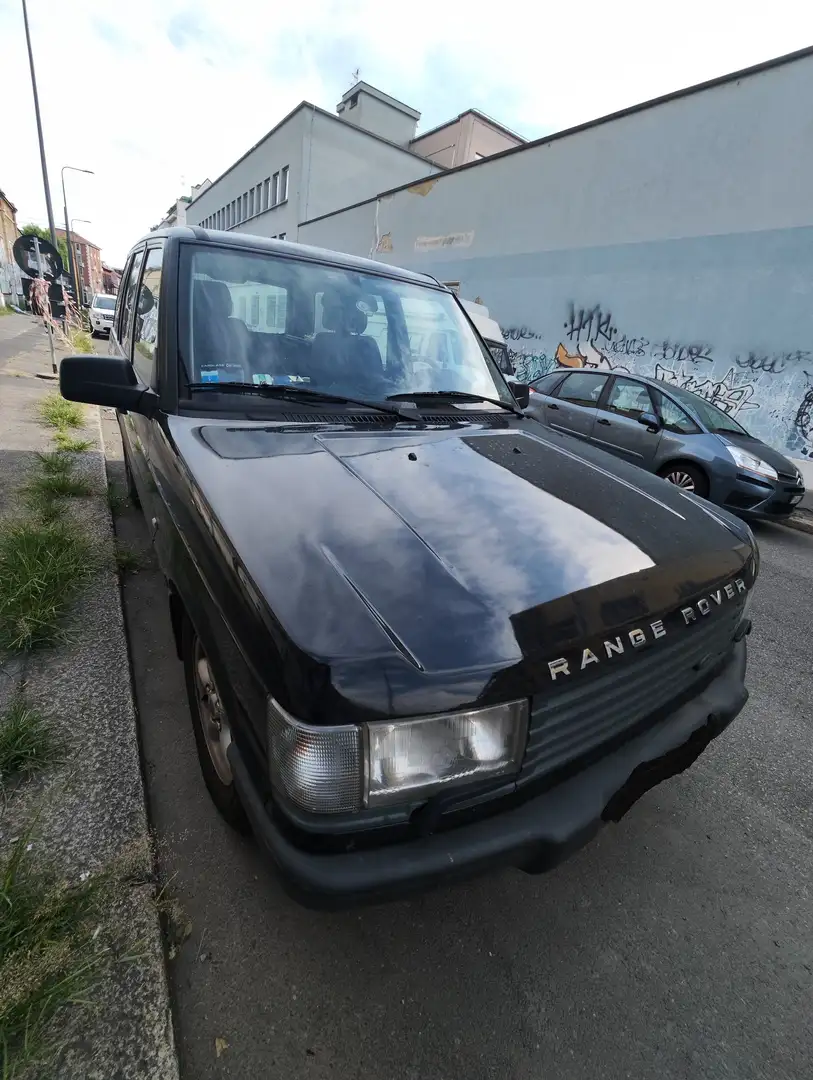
x=141, y=350
x=120, y=344
x=571, y=408
x=618, y=427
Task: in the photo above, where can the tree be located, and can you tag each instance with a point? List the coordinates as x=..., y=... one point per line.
x=44, y=234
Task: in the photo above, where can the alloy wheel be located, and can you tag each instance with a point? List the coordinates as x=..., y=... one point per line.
x=681, y=480
x=213, y=722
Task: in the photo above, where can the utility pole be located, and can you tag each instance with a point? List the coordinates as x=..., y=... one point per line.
x=39, y=131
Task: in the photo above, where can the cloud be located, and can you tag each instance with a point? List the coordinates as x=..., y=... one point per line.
x=158, y=94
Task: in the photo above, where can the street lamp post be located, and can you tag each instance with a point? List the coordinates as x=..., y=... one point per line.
x=71, y=261
x=48, y=206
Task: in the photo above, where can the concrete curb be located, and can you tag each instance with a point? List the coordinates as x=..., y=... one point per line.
x=801, y=521
x=93, y=809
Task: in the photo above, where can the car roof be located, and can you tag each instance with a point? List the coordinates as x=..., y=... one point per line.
x=249, y=242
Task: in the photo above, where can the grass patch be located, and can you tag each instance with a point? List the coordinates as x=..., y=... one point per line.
x=50, y=953
x=127, y=560
x=26, y=743
x=55, y=481
x=59, y=413
x=42, y=564
x=70, y=444
x=6, y=310
x=81, y=341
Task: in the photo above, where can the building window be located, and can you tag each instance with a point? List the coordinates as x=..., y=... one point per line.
x=275, y=189
x=251, y=203
x=241, y=308
x=266, y=190
x=282, y=236
x=245, y=206
x=255, y=309
x=354, y=100
x=283, y=195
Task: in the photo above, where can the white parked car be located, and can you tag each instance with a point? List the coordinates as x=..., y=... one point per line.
x=101, y=314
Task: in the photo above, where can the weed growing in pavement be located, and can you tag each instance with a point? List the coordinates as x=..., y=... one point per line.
x=26, y=742
x=55, y=481
x=59, y=413
x=6, y=310
x=51, y=951
x=116, y=499
x=127, y=560
x=81, y=341
x=70, y=444
x=42, y=564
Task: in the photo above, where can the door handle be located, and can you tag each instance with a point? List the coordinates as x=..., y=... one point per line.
x=552, y=406
x=603, y=421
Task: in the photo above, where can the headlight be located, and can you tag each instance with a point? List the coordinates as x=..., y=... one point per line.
x=751, y=462
x=342, y=769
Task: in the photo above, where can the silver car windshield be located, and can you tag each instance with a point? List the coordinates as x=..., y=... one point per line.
x=261, y=319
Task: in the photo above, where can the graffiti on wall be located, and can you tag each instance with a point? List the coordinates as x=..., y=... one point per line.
x=769, y=391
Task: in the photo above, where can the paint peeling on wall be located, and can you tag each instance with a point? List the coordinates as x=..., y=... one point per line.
x=423, y=188
x=451, y=240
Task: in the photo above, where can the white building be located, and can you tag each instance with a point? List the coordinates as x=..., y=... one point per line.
x=176, y=214
x=674, y=238
x=314, y=162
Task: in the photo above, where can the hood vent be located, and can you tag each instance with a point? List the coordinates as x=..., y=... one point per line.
x=372, y=419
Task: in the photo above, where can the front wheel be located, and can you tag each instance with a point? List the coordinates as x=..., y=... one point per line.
x=212, y=730
x=687, y=477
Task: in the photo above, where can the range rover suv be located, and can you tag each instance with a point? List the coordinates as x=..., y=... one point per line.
x=424, y=636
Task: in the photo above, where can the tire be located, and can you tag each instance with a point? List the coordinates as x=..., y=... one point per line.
x=687, y=477
x=93, y=332
x=211, y=745
x=132, y=490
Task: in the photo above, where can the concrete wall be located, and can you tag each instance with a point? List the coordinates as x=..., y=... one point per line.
x=675, y=241
x=373, y=114
x=466, y=139
x=343, y=165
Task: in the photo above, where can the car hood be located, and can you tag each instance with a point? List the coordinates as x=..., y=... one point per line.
x=761, y=450
x=441, y=556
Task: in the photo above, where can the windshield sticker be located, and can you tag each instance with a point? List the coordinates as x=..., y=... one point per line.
x=262, y=378
x=212, y=375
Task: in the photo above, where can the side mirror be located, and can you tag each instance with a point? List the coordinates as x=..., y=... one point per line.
x=521, y=392
x=650, y=420
x=105, y=380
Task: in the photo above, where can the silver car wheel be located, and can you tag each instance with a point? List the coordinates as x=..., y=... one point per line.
x=213, y=722
x=681, y=480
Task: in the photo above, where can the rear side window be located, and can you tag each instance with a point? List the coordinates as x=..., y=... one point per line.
x=146, y=324
x=582, y=388
x=674, y=418
x=126, y=325
x=548, y=383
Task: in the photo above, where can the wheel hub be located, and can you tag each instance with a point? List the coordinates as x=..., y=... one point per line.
x=213, y=721
x=681, y=480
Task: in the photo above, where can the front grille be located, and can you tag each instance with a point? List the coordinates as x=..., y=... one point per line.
x=568, y=727
x=787, y=477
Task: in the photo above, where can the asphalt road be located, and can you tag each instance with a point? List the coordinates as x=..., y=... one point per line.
x=678, y=945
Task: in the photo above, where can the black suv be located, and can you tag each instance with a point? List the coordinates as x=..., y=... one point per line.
x=423, y=635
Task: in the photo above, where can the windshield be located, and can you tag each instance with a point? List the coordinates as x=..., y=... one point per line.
x=712, y=417
x=106, y=303
x=262, y=319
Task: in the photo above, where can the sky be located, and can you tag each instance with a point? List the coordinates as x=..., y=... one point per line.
x=156, y=95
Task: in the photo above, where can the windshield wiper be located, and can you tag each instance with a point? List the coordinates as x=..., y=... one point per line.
x=298, y=393
x=457, y=395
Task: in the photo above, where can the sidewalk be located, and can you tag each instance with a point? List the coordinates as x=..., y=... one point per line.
x=90, y=809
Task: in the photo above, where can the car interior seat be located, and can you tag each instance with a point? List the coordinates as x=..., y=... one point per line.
x=219, y=338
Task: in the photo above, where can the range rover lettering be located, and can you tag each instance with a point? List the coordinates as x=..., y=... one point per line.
x=424, y=636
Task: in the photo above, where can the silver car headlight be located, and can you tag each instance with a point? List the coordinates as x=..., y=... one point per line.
x=332, y=770
x=744, y=460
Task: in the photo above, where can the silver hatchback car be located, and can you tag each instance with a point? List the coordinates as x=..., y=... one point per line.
x=671, y=432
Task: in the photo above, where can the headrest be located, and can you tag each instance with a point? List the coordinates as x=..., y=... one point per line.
x=212, y=297
x=341, y=313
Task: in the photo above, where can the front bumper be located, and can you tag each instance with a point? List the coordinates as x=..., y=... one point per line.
x=762, y=500
x=533, y=837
